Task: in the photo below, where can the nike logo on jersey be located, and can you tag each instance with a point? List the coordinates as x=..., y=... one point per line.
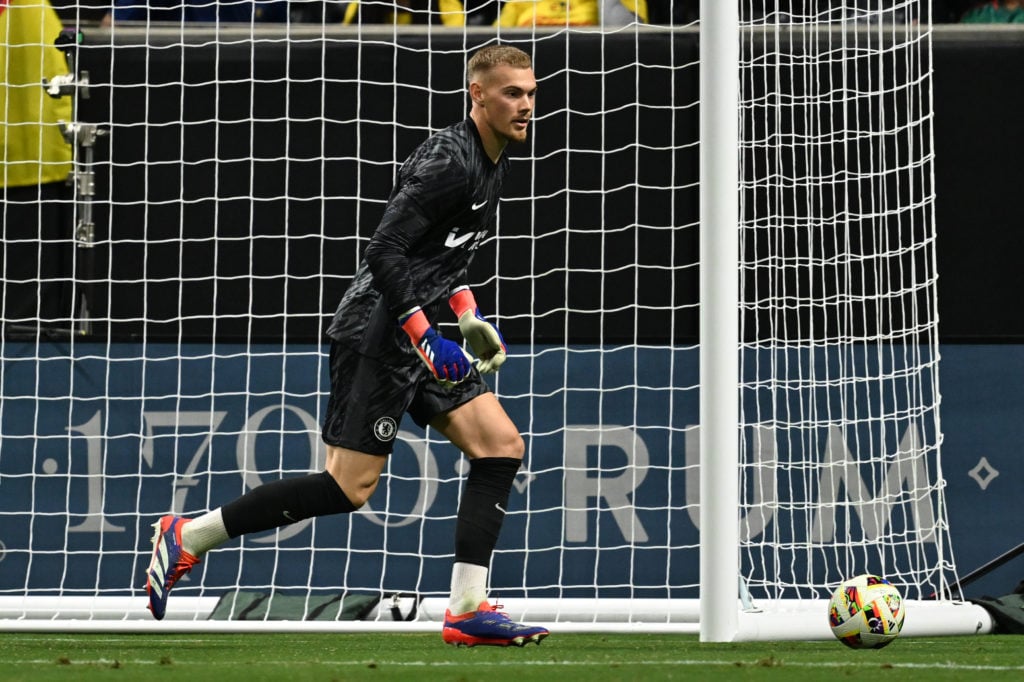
x=453, y=240
x=477, y=207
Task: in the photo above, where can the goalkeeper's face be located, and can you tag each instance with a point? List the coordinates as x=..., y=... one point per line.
x=503, y=101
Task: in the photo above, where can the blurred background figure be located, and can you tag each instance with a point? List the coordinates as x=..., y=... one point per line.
x=528, y=13
x=513, y=13
x=37, y=212
x=397, y=12
x=624, y=12
x=198, y=11
x=995, y=12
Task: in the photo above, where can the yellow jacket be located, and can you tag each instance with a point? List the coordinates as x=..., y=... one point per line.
x=527, y=13
x=444, y=12
x=523, y=13
x=32, y=149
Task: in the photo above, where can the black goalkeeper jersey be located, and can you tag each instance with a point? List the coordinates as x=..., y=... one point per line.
x=445, y=200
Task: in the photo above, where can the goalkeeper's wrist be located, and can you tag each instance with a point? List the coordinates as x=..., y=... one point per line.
x=415, y=324
x=462, y=301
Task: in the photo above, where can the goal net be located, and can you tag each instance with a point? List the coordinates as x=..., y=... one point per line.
x=236, y=172
x=839, y=461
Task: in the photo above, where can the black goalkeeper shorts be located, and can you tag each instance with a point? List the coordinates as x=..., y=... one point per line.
x=368, y=399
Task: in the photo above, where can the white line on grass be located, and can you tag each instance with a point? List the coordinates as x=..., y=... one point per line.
x=949, y=665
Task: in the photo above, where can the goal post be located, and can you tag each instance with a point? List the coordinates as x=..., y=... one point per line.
x=714, y=266
x=719, y=323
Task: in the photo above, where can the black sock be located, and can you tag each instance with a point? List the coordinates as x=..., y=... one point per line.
x=283, y=502
x=482, y=509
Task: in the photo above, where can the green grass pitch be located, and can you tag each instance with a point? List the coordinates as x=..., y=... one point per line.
x=566, y=657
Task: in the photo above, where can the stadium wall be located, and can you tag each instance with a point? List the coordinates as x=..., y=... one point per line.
x=977, y=172
x=87, y=454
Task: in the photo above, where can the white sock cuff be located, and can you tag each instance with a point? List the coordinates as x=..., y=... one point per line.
x=469, y=587
x=203, y=533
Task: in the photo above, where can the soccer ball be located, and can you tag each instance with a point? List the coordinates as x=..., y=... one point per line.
x=866, y=612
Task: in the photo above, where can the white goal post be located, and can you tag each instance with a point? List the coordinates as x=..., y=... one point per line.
x=714, y=266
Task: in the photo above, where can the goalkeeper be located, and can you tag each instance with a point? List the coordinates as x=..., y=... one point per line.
x=387, y=359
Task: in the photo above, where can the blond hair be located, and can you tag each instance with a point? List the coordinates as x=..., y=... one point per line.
x=485, y=59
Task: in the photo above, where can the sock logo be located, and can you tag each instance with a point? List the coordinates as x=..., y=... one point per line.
x=288, y=515
x=497, y=505
x=385, y=429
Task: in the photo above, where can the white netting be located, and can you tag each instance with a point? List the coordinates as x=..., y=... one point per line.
x=840, y=383
x=241, y=171
x=176, y=359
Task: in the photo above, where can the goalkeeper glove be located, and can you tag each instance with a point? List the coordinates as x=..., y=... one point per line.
x=482, y=336
x=446, y=360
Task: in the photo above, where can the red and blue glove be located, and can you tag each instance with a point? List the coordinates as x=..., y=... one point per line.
x=445, y=359
x=482, y=336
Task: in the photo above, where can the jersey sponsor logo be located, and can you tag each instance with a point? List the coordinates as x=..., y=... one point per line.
x=477, y=207
x=385, y=429
x=455, y=240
